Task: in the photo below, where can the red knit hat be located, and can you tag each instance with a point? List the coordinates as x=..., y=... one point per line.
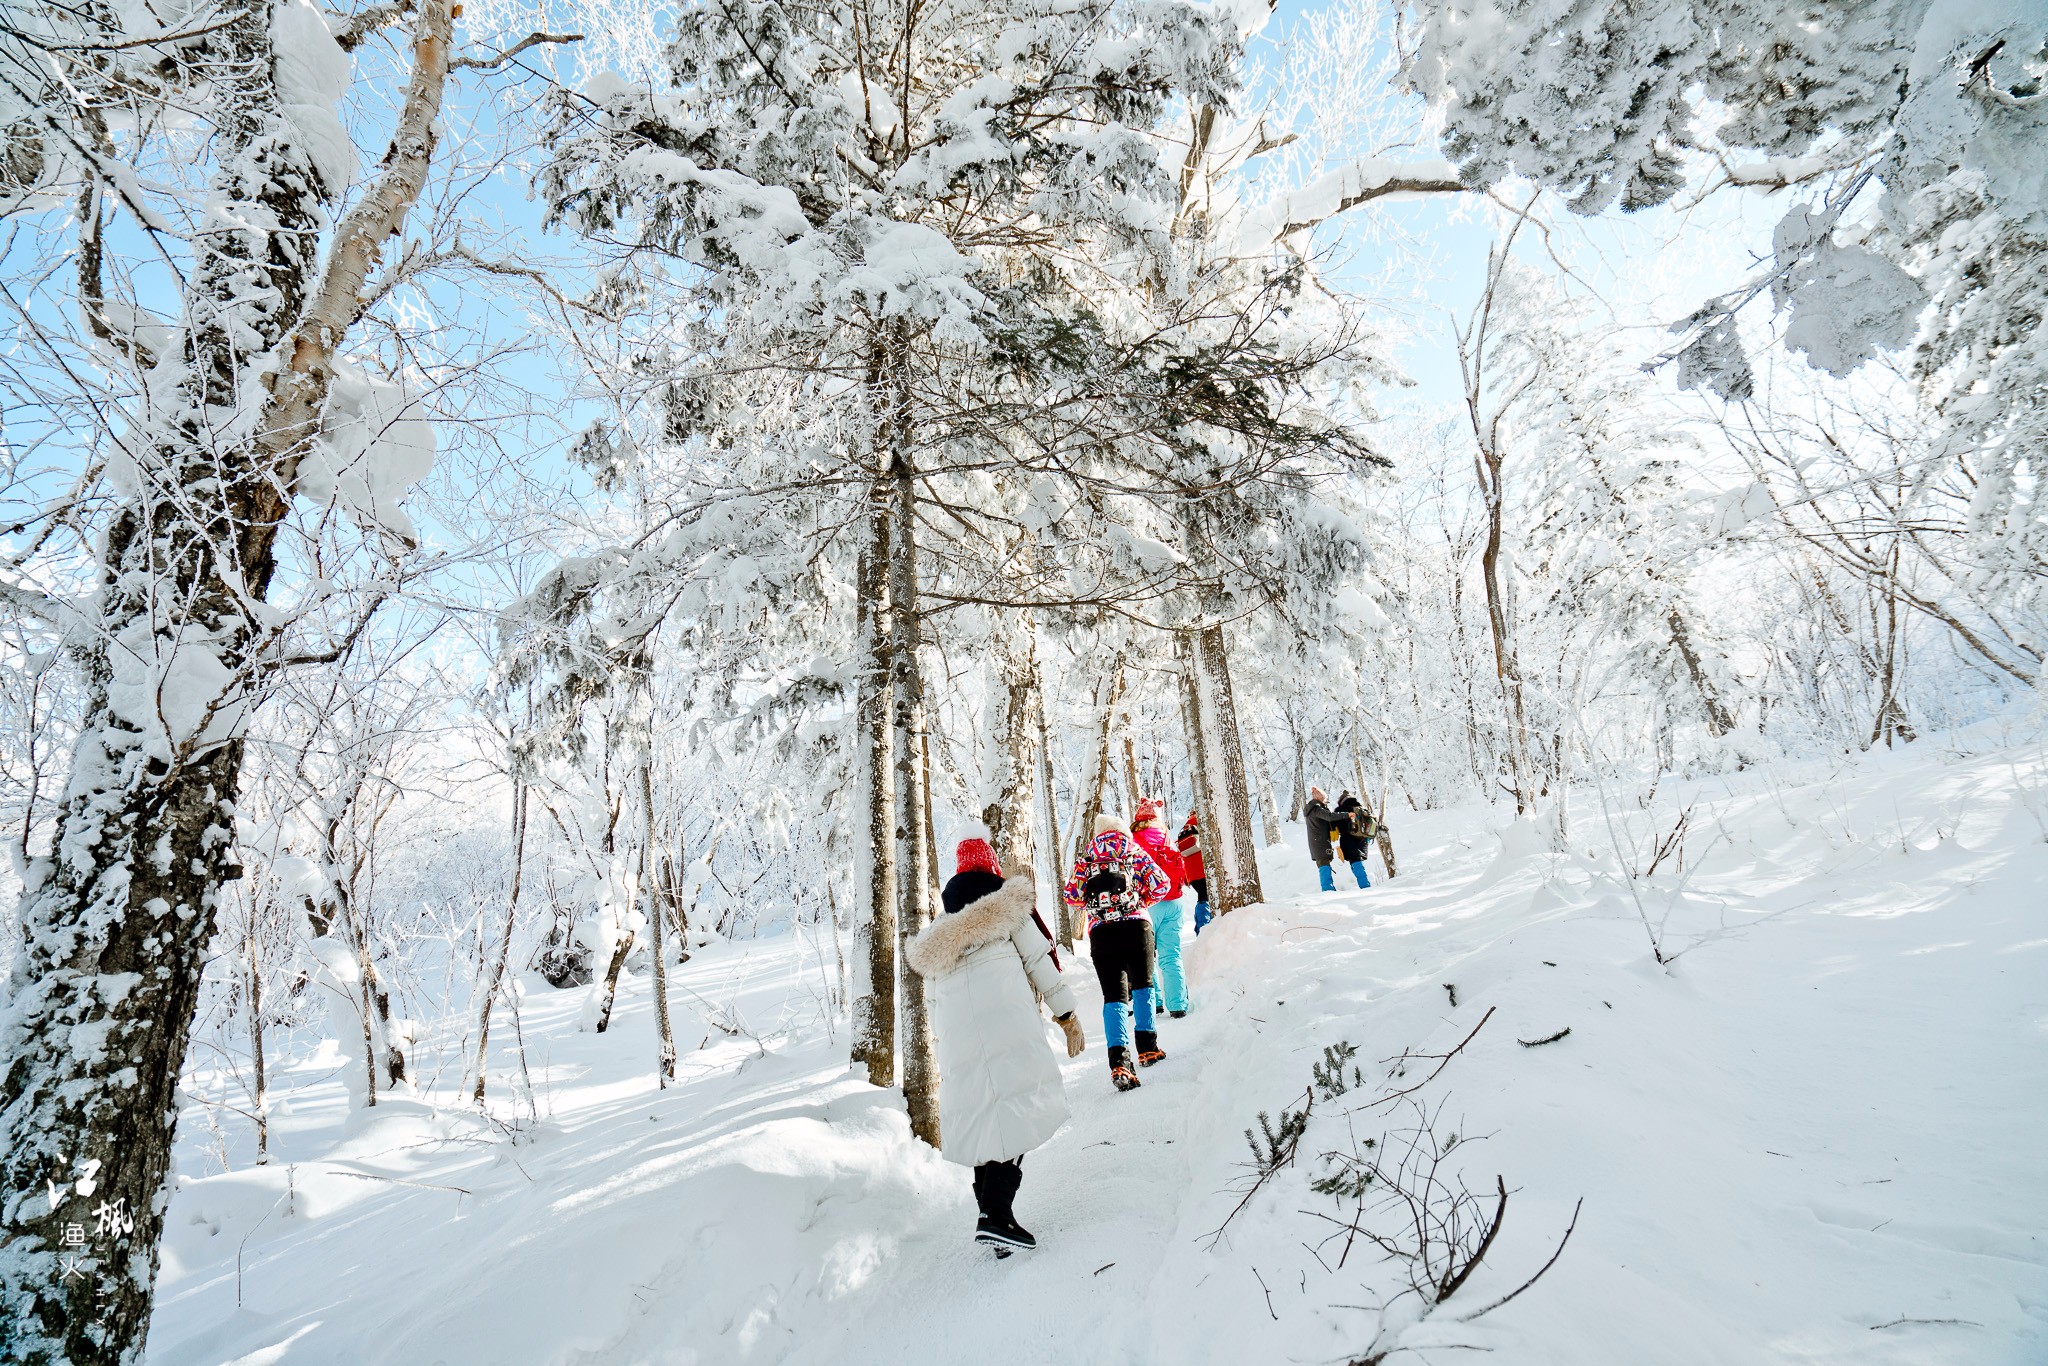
x=1147, y=813
x=975, y=854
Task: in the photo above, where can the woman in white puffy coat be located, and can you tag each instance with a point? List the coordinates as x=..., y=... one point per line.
x=987, y=963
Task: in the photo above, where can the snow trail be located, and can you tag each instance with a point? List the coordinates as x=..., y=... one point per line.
x=1805, y=1142
x=1103, y=1197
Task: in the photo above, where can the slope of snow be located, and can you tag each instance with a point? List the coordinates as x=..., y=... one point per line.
x=1814, y=1137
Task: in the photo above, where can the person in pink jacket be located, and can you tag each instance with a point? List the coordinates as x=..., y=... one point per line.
x=1166, y=912
x=1115, y=880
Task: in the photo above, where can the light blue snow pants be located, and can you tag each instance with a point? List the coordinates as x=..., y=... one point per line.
x=1173, y=983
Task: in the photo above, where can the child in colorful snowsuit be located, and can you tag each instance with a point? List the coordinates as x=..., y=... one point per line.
x=1114, y=881
x=1166, y=913
x=987, y=963
x=1190, y=843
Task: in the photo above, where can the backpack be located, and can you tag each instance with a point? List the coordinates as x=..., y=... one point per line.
x=1108, y=895
x=1361, y=824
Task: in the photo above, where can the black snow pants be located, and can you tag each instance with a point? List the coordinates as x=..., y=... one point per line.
x=1122, y=950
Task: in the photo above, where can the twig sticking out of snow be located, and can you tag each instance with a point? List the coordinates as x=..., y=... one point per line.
x=1548, y=1038
x=1559, y=1252
x=1269, y=1295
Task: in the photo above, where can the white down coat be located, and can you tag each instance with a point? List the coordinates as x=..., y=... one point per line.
x=986, y=966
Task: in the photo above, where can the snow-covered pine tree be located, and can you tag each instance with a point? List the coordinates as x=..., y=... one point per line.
x=863, y=203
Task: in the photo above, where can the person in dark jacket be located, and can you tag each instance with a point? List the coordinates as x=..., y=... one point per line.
x=1353, y=822
x=1322, y=823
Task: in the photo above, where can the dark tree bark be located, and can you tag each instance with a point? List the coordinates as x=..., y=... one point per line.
x=1234, y=870
x=115, y=934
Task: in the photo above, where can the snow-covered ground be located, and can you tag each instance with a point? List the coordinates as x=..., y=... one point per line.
x=1816, y=1136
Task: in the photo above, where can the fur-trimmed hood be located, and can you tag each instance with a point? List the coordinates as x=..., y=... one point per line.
x=941, y=945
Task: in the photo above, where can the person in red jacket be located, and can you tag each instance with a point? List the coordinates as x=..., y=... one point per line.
x=1190, y=843
x=1166, y=913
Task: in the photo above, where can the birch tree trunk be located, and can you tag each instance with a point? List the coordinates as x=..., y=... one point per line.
x=610, y=991
x=665, y=1060
x=1507, y=667
x=874, y=865
x=906, y=742
x=494, y=975
x=1719, y=720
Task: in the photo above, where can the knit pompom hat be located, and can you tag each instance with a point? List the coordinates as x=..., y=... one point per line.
x=1109, y=821
x=974, y=853
x=1148, y=813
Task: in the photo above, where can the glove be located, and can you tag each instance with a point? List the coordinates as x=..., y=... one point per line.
x=1076, y=1040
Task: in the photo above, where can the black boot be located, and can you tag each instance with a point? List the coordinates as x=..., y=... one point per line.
x=1005, y=1237
x=995, y=1190
x=1120, y=1070
x=1149, y=1050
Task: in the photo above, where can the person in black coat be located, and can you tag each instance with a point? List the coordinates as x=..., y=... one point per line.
x=1353, y=820
x=1322, y=823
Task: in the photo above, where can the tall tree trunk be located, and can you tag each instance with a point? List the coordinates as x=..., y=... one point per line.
x=494, y=976
x=912, y=849
x=116, y=923
x=262, y=1096
x=390, y=1052
x=1198, y=751
x=1299, y=799
x=1109, y=691
x=1719, y=720
x=609, y=993
x=838, y=945
x=874, y=860
x=1269, y=807
x=1008, y=814
x=1052, y=870
x=1234, y=870
x=1133, y=790
x=1507, y=667
x=665, y=1057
